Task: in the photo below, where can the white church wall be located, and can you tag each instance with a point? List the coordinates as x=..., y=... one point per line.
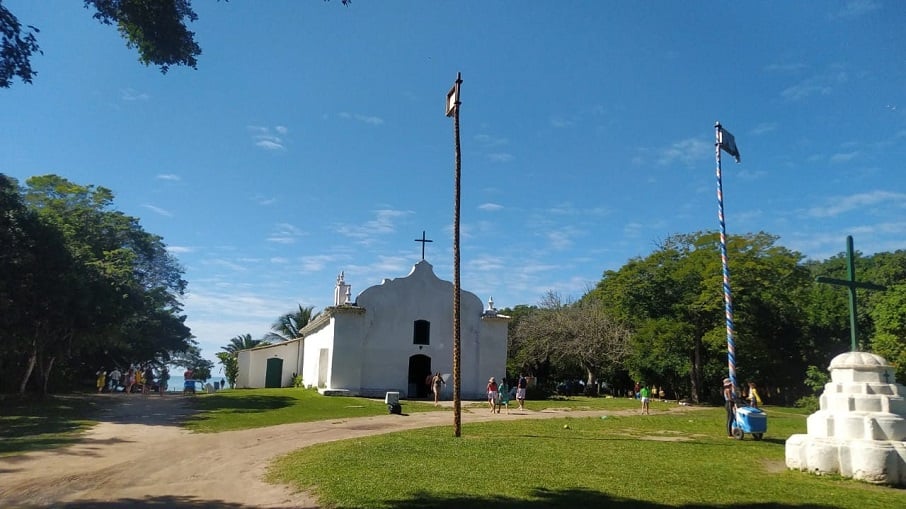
x=392, y=309
x=257, y=363
x=346, y=369
x=245, y=366
x=314, y=343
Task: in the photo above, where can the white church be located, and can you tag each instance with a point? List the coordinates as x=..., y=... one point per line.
x=391, y=338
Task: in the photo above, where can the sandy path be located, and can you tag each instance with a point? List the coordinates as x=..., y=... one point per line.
x=138, y=457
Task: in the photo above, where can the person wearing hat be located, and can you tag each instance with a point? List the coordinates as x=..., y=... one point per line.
x=492, y=393
x=730, y=404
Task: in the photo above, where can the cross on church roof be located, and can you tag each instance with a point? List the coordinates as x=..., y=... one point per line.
x=423, y=240
x=851, y=284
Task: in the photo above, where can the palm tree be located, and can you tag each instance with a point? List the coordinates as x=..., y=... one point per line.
x=242, y=342
x=290, y=325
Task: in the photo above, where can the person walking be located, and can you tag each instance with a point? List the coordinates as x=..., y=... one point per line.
x=503, y=396
x=102, y=379
x=645, y=396
x=115, y=377
x=492, y=393
x=521, y=386
x=436, y=385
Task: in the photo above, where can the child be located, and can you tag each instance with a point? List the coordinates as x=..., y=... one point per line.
x=754, y=398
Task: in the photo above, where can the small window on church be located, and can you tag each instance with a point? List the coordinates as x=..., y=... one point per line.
x=421, y=333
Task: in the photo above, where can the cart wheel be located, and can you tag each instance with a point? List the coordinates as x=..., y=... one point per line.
x=738, y=433
x=757, y=436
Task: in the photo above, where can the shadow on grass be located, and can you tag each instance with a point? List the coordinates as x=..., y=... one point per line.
x=224, y=404
x=544, y=499
x=567, y=499
x=27, y=425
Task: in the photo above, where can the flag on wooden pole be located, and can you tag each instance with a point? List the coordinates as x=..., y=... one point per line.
x=728, y=143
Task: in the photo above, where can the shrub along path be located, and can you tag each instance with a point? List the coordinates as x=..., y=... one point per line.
x=139, y=457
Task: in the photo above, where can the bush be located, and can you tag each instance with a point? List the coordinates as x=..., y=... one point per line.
x=297, y=381
x=809, y=403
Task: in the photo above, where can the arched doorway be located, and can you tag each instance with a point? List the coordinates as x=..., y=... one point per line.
x=419, y=371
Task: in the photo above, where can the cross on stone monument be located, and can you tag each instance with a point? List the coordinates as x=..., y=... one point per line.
x=423, y=240
x=851, y=284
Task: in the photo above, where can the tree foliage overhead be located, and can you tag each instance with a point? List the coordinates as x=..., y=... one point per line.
x=16, y=49
x=157, y=29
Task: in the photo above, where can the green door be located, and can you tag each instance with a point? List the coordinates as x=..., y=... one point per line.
x=274, y=373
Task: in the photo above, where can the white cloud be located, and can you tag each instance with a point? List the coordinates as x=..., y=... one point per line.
x=158, y=210
x=488, y=141
x=764, y=127
x=490, y=207
x=129, y=94
x=856, y=8
x=279, y=260
x=844, y=157
x=687, y=152
x=262, y=137
x=317, y=263
x=285, y=233
x=561, y=123
x=820, y=84
x=383, y=223
x=500, y=157
x=847, y=203
x=272, y=144
x=180, y=249
x=168, y=176
x=791, y=67
x=366, y=119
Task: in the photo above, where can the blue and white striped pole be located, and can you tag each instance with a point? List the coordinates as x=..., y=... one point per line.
x=728, y=297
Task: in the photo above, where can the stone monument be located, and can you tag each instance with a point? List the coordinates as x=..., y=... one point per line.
x=860, y=429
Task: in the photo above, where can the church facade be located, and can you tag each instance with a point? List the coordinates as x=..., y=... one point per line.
x=392, y=338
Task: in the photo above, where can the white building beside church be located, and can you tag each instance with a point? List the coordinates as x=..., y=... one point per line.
x=392, y=338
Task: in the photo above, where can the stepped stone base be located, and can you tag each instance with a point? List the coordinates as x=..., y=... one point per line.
x=860, y=429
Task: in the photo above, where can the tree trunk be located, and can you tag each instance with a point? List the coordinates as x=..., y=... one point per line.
x=696, y=370
x=32, y=359
x=46, y=375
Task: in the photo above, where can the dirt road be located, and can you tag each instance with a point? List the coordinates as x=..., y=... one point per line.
x=139, y=457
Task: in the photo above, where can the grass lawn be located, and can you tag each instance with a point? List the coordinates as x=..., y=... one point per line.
x=255, y=408
x=46, y=423
x=676, y=459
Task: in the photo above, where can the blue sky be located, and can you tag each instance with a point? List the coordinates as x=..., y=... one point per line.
x=312, y=138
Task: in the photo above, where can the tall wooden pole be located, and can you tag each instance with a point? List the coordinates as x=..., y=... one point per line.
x=457, y=383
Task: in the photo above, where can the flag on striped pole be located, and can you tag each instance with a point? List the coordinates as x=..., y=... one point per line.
x=728, y=144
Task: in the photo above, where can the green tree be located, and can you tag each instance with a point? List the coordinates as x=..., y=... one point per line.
x=230, y=364
x=289, y=326
x=115, y=292
x=673, y=300
x=581, y=335
x=889, y=315
x=242, y=342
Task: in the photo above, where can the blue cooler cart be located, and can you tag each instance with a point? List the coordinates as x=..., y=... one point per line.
x=750, y=420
